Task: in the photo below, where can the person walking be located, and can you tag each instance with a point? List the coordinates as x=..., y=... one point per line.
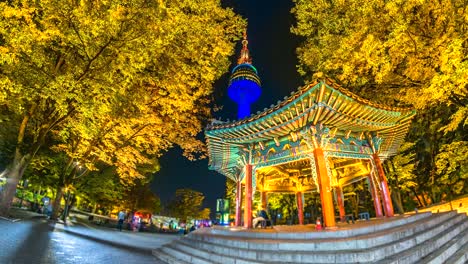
x=121, y=218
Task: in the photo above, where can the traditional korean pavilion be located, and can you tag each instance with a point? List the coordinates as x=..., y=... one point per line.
x=319, y=139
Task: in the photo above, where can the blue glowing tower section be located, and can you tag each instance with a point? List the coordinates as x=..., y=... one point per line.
x=244, y=85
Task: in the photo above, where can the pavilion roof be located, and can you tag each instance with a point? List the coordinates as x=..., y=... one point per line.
x=321, y=102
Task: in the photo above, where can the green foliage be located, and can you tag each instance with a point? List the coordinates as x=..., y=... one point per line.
x=452, y=167
x=403, y=171
x=104, y=187
x=114, y=82
x=27, y=195
x=398, y=48
x=399, y=53
x=187, y=204
x=45, y=169
x=230, y=194
x=205, y=213
x=284, y=204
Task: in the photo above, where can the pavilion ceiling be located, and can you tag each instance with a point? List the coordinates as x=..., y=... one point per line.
x=286, y=178
x=297, y=176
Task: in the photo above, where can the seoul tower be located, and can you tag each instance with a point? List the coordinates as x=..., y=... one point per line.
x=244, y=84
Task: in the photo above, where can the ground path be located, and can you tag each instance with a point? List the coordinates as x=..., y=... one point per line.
x=37, y=240
x=460, y=204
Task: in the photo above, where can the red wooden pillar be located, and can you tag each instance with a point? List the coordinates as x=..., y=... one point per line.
x=340, y=202
x=248, y=197
x=300, y=208
x=376, y=197
x=326, y=197
x=387, y=201
x=238, y=203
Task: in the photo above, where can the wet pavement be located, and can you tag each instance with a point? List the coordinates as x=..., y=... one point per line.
x=38, y=240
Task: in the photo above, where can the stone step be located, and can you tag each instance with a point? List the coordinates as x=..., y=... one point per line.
x=348, y=243
x=440, y=237
x=226, y=255
x=205, y=255
x=460, y=257
x=166, y=258
x=217, y=257
x=447, y=250
x=212, y=256
x=428, y=242
x=270, y=251
x=352, y=232
x=188, y=254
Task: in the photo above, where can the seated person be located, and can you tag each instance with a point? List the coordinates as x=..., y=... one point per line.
x=263, y=214
x=261, y=217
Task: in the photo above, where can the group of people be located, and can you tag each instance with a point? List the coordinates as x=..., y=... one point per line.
x=133, y=221
x=261, y=220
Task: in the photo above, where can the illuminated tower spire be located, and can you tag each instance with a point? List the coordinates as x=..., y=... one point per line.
x=244, y=84
x=244, y=56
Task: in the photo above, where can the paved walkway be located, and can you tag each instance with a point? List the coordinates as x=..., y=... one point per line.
x=34, y=239
x=459, y=204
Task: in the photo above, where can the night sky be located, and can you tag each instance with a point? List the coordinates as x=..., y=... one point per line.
x=272, y=48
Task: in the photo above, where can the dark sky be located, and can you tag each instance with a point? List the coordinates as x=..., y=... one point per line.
x=272, y=48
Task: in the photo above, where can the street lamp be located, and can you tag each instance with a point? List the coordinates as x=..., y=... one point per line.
x=77, y=167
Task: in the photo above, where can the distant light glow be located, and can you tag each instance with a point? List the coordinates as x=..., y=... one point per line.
x=244, y=92
x=245, y=65
x=243, y=111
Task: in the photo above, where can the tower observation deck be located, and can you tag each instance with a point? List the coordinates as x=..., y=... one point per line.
x=244, y=84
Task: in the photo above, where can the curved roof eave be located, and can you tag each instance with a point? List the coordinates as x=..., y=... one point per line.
x=335, y=106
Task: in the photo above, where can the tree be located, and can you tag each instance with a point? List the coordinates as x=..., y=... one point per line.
x=107, y=190
x=391, y=51
x=231, y=194
x=187, y=204
x=63, y=63
x=283, y=203
x=205, y=213
x=396, y=48
x=453, y=168
x=138, y=195
x=44, y=170
x=101, y=188
x=400, y=172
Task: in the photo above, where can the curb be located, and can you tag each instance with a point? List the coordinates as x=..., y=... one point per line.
x=13, y=220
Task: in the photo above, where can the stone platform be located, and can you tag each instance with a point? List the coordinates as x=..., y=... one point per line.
x=409, y=238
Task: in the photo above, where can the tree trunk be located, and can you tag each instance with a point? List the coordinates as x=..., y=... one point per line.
x=20, y=162
x=421, y=204
x=66, y=209
x=56, y=205
x=425, y=198
x=14, y=175
x=355, y=204
x=396, y=197
x=396, y=193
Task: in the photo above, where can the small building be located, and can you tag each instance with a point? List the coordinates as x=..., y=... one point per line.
x=319, y=139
